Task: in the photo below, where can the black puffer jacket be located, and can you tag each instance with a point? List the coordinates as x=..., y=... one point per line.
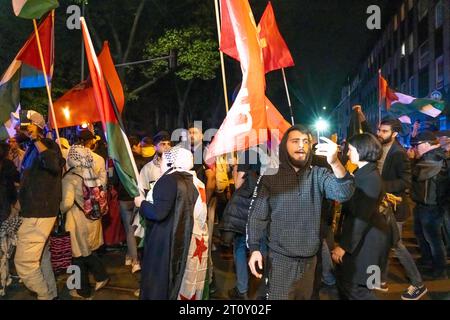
x=235, y=215
x=8, y=192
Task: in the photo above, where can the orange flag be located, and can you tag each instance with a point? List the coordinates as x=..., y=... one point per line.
x=227, y=42
x=275, y=51
x=385, y=93
x=247, y=123
x=78, y=106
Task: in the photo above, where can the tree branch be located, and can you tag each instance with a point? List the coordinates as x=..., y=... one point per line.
x=117, y=41
x=133, y=30
x=148, y=84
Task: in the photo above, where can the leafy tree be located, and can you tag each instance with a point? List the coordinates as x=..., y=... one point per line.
x=197, y=56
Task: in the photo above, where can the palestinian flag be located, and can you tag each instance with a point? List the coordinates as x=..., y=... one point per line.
x=33, y=9
x=26, y=72
x=401, y=105
x=119, y=149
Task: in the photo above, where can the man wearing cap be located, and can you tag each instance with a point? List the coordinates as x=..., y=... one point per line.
x=40, y=196
x=152, y=170
x=431, y=192
x=87, y=139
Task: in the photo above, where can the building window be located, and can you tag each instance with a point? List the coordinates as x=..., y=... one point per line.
x=403, y=87
x=403, y=50
x=410, y=4
x=439, y=14
x=402, y=13
x=412, y=84
x=424, y=53
x=440, y=72
x=423, y=9
x=411, y=43
x=395, y=22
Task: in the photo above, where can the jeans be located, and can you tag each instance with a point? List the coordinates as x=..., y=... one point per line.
x=406, y=260
x=240, y=261
x=126, y=212
x=428, y=223
x=447, y=229
x=91, y=264
x=32, y=259
x=327, y=265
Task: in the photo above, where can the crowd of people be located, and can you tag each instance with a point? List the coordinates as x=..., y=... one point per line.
x=320, y=214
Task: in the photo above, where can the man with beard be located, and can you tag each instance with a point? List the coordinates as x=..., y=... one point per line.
x=286, y=207
x=395, y=169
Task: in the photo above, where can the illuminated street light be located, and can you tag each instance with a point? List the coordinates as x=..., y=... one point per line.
x=321, y=126
x=324, y=108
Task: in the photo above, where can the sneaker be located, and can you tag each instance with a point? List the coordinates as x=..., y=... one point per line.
x=101, y=284
x=234, y=294
x=73, y=293
x=414, y=293
x=136, y=267
x=128, y=261
x=383, y=287
x=137, y=293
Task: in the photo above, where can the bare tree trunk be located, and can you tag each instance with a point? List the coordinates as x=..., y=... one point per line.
x=182, y=99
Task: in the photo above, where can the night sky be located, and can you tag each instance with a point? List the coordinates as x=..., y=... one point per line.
x=328, y=40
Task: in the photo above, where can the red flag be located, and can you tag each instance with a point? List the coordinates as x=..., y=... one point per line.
x=227, y=42
x=78, y=105
x=275, y=51
x=385, y=93
x=119, y=149
x=247, y=123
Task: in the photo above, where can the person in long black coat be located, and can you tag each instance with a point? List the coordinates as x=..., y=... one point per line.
x=168, y=236
x=365, y=240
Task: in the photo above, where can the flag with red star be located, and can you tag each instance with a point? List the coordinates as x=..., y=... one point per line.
x=197, y=263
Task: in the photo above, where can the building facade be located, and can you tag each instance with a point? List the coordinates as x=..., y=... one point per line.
x=413, y=54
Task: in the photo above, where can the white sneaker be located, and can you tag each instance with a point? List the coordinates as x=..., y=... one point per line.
x=137, y=293
x=100, y=285
x=128, y=261
x=136, y=267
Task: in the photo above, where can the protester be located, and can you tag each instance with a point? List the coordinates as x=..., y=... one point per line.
x=87, y=139
x=365, y=239
x=176, y=242
x=8, y=177
x=207, y=175
x=40, y=196
x=15, y=152
x=291, y=201
x=86, y=235
x=395, y=169
x=431, y=192
x=65, y=146
x=152, y=171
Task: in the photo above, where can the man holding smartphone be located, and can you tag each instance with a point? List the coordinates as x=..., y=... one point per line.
x=287, y=208
x=40, y=197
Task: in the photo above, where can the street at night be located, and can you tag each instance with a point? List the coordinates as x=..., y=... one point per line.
x=225, y=150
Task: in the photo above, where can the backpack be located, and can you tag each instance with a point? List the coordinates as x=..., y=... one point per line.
x=95, y=203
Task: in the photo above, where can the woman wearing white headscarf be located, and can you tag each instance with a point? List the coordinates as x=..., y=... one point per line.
x=176, y=240
x=86, y=235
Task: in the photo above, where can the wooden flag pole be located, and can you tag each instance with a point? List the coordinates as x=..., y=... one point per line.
x=44, y=69
x=287, y=95
x=224, y=81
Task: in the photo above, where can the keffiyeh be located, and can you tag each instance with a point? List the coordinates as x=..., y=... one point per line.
x=81, y=157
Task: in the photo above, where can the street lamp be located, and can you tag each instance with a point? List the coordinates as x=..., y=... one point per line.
x=324, y=108
x=321, y=126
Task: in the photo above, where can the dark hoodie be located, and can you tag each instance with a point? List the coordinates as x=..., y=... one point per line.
x=289, y=203
x=431, y=179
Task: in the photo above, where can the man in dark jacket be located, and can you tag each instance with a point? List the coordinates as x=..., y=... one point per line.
x=430, y=191
x=395, y=170
x=287, y=207
x=40, y=197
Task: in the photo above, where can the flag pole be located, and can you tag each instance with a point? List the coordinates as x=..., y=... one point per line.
x=379, y=98
x=44, y=69
x=224, y=81
x=287, y=95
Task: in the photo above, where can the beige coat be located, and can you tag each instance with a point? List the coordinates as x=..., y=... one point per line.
x=85, y=235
